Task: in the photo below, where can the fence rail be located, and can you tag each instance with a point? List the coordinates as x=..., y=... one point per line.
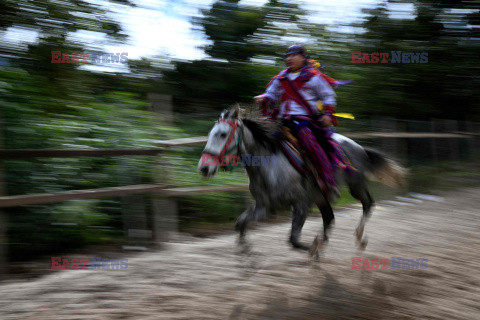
x=69, y=153
x=165, y=209
x=18, y=200
x=42, y=198
x=165, y=144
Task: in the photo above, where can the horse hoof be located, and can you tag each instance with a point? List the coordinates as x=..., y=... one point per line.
x=241, y=227
x=244, y=248
x=241, y=241
x=297, y=245
x=316, y=245
x=238, y=226
x=362, y=244
x=300, y=246
x=359, y=235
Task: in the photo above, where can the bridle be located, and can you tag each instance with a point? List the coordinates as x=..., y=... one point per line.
x=229, y=147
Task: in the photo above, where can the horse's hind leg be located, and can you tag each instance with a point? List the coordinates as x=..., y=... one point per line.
x=299, y=215
x=328, y=219
x=360, y=191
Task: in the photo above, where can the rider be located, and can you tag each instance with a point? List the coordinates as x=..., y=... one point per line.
x=298, y=88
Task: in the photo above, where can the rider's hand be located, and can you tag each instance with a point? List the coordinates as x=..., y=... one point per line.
x=259, y=99
x=326, y=120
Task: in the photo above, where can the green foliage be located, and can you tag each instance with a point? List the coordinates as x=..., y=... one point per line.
x=214, y=208
x=228, y=24
x=112, y=120
x=239, y=33
x=45, y=105
x=442, y=88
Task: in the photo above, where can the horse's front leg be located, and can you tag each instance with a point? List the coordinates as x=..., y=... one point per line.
x=255, y=212
x=299, y=215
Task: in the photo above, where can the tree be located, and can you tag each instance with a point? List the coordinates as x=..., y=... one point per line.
x=442, y=88
x=47, y=105
x=238, y=34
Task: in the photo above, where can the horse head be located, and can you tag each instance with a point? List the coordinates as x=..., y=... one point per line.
x=223, y=143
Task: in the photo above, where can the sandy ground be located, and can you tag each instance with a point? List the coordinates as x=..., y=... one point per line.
x=216, y=279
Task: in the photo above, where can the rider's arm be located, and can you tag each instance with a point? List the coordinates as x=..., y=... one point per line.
x=271, y=95
x=324, y=91
x=273, y=92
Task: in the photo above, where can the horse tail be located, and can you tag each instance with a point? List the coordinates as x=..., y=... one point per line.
x=384, y=170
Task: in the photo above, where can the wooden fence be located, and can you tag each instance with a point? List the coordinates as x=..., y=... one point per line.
x=164, y=206
x=19, y=200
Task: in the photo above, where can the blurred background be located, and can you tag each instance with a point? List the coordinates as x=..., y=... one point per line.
x=188, y=60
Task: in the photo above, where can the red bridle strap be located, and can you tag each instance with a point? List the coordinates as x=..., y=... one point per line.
x=230, y=138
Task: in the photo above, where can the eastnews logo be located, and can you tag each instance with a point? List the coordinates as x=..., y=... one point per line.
x=85, y=57
x=247, y=160
x=396, y=263
x=396, y=57
x=94, y=263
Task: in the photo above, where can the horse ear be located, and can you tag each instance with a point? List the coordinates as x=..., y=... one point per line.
x=224, y=114
x=236, y=111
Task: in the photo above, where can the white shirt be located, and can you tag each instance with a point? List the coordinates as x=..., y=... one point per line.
x=295, y=108
x=312, y=91
x=293, y=75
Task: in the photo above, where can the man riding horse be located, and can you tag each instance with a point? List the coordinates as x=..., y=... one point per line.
x=299, y=88
x=286, y=186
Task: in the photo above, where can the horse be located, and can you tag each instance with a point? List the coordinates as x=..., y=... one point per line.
x=281, y=186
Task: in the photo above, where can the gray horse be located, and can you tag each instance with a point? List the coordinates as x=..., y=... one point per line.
x=281, y=186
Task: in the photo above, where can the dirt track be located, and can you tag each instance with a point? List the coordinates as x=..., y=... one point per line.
x=214, y=279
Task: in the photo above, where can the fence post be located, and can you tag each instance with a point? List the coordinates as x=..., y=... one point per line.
x=452, y=126
x=135, y=221
x=389, y=145
x=472, y=148
x=476, y=139
x=164, y=209
x=433, y=144
x=162, y=105
x=441, y=145
x=3, y=214
x=402, y=143
x=165, y=218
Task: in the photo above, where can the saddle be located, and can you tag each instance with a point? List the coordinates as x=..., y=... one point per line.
x=298, y=158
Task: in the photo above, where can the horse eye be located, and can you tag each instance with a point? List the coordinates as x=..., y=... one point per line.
x=223, y=135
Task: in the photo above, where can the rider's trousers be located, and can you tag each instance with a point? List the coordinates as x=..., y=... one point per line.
x=315, y=152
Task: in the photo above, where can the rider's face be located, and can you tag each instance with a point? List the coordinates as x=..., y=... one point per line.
x=295, y=61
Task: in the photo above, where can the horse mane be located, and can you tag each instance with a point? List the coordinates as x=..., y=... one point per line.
x=263, y=132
